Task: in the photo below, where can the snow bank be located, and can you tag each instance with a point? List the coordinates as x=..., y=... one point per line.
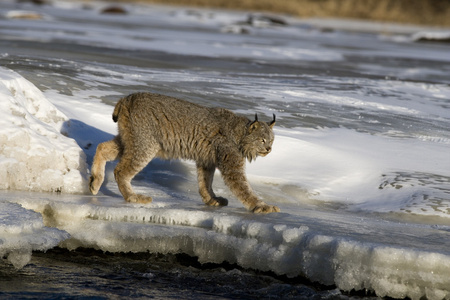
x=34, y=155
x=355, y=254
x=22, y=231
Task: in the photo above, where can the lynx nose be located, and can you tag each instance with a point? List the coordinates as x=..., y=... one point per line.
x=268, y=149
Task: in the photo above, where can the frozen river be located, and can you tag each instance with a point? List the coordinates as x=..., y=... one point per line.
x=360, y=167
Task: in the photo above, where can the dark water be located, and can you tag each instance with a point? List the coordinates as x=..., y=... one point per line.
x=91, y=274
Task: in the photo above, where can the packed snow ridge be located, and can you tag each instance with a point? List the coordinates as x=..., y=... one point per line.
x=34, y=155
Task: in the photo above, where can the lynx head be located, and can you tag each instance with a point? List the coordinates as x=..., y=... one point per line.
x=258, y=139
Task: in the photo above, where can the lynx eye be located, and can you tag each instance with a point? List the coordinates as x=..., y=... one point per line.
x=263, y=141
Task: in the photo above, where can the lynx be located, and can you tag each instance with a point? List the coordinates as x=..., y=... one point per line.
x=152, y=125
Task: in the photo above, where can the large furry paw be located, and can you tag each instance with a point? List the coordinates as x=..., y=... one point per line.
x=94, y=184
x=139, y=199
x=262, y=208
x=216, y=201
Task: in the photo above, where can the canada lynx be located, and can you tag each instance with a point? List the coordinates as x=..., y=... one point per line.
x=152, y=125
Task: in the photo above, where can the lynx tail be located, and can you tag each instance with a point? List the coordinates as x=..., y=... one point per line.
x=117, y=109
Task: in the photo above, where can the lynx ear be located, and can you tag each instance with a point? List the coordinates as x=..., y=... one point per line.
x=271, y=123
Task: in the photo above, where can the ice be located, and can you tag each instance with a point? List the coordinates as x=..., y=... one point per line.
x=286, y=244
x=34, y=155
x=193, y=42
x=22, y=231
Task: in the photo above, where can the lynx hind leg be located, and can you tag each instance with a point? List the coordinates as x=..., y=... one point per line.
x=131, y=163
x=205, y=179
x=106, y=151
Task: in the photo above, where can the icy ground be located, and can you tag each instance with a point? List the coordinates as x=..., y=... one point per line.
x=360, y=166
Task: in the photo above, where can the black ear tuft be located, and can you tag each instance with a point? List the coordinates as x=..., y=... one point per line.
x=253, y=124
x=271, y=123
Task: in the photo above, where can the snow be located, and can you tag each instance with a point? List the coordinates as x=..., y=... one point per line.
x=34, y=154
x=352, y=169
x=340, y=189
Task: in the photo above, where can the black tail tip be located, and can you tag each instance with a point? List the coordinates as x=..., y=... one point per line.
x=115, y=118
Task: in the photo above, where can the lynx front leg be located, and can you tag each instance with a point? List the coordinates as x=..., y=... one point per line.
x=232, y=169
x=205, y=179
x=106, y=151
